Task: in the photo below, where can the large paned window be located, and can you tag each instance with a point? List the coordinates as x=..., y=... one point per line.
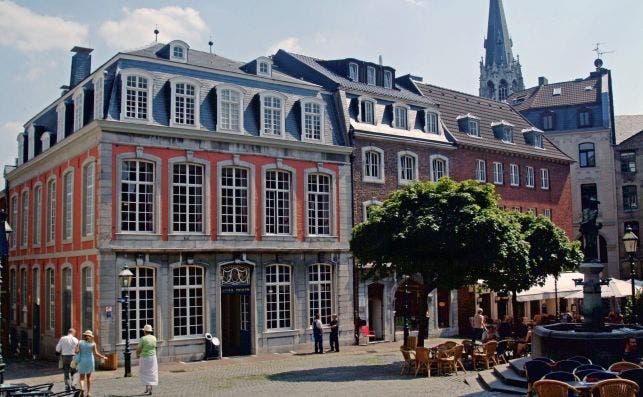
x=319, y=209
x=401, y=117
x=370, y=75
x=187, y=198
x=529, y=177
x=98, y=98
x=373, y=165
x=87, y=291
x=481, y=171
x=35, y=286
x=188, y=300
x=234, y=200
x=79, y=110
x=514, y=174
x=23, y=296
x=141, y=302
x=312, y=121
x=24, y=219
x=278, y=297
x=272, y=115
x=66, y=293
x=408, y=168
x=68, y=205
x=50, y=299
x=61, y=111
x=432, y=122
x=544, y=178
x=278, y=202
x=628, y=162
x=353, y=70
x=498, y=177
x=320, y=298
x=13, y=282
x=368, y=112
x=14, y=220
x=630, y=198
x=137, y=196
x=89, y=172
x=230, y=110
x=51, y=211
x=37, y=214
x=586, y=155
x=438, y=169
x=185, y=104
x=136, y=97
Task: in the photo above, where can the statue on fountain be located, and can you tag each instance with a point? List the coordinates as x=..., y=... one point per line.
x=589, y=229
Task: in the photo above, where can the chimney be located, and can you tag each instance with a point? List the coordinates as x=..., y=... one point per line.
x=81, y=65
x=542, y=80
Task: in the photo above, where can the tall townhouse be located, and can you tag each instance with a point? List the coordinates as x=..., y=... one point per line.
x=224, y=186
x=495, y=144
x=578, y=116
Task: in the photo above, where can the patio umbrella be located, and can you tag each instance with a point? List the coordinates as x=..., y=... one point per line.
x=566, y=286
x=615, y=289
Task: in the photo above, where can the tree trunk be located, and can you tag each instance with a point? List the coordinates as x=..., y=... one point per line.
x=514, y=307
x=423, y=321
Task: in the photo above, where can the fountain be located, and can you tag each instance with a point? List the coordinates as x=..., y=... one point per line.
x=602, y=343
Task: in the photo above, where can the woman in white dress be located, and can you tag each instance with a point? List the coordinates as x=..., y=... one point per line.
x=146, y=353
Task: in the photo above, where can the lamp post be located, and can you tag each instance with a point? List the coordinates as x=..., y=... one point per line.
x=630, y=241
x=406, y=311
x=5, y=229
x=125, y=277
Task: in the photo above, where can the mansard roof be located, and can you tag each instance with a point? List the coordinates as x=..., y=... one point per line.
x=577, y=92
x=396, y=92
x=454, y=104
x=628, y=126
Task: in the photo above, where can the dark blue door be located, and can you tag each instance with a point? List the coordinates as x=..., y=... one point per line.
x=36, y=330
x=236, y=330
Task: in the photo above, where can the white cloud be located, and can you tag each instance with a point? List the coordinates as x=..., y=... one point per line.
x=8, y=146
x=290, y=44
x=136, y=27
x=27, y=31
x=417, y=3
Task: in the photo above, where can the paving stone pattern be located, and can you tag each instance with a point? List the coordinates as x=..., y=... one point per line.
x=372, y=370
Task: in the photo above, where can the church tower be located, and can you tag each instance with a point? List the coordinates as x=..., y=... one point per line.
x=500, y=73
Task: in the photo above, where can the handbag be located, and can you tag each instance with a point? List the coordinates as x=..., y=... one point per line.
x=60, y=362
x=74, y=363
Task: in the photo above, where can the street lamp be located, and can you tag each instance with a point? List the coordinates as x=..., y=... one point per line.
x=630, y=241
x=125, y=277
x=5, y=230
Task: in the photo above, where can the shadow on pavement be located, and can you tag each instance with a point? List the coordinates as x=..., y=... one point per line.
x=342, y=374
x=30, y=369
x=126, y=395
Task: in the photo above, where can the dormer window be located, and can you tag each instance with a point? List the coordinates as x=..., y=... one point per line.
x=185, y=103
x=548, y=120
x=431, y=122
x=503, y=130
x=79, y=110
x=533, y=137
x=585, y=118
x=400, y=117
x=473, y=128
x=312, y=118
x=60, y=112
x=370, y=75
x=388, y=79
x=45, y=140
x=470, y=124
x=353, y=71
x=366, y=107
x=272, y=114
x=179, y=51
x=136, y=95
x=264, y=66
x=557, y=91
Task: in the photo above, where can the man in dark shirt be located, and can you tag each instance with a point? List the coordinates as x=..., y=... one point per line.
x=631, y=352
x=504, y=330
x=334, y=333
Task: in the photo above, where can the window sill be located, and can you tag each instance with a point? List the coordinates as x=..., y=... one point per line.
x=89, y=237
x=235, y=237
x=188, y=237
x=370, y=180
x=320, y=239
x=236, y=132
x=274, y=237
x=123, y=236
x=282, y=332
x=498, y=183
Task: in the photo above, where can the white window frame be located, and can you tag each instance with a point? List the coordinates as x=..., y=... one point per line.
x=315, y=293
x=498, y=173
x=37, y=215
x=88, y=197
x=197, y=102
x=149, y=92
x=400, y=171
x=367, y=178
x=387, y=79
x=432, y=122
x=396, y=122
x=305, y=114
x=473, y=127
x=185, y=300
x=481, y=171
x=547, y=213
x=264, y=61
x=45, y=140
x=266, y=107
x=544, y=179
x=292, y=188
x=279, y=316
x=87, y=286
x=353, y=71
x=99, y=95
x=366, y=205
x=514, y=175
x=50, y=298
x=365, y=114
x=183, y=46
x=250, y=195
x=371, y=75
x=530, y=178
x=434, y=170
x=134, y=292
x=310, y=204
x=61, y=114
x=240, y=92
x=68, y=205
x=13, y=220
x=24, y=218
x=145, y=158
x=79, y=109
x=52, y=198
x=205, y=167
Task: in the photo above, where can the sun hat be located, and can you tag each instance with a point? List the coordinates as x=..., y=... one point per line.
x=147, y=328
x=88, y=333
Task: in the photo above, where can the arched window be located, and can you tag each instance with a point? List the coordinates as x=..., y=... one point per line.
x=407, y=167
x=235, y=200
x=141, y=301
x=278, y=300
x=188, y=300
x=503, y=90
x=491, y=90
x=137, y=196
x=89, y=171
x=320, y=291
x=51, y=210
x=586, y=155
x=229, y=109
x=185, y=103
x=272, y=114
x=66, y=295
x=50, y=299
x=87, y=296
x=23, y=296
x=68, y=204
x=24, y=218
x=439, y=167
x=37, y=214
x=373, y=160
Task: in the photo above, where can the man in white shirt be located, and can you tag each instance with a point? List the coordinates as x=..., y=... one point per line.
x=318, y=331
x=67, y=348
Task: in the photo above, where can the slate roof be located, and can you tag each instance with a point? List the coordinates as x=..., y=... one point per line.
x=216, y=62
x=397, y=92
x=574, y=92
x=627, y=126
x=487, y=111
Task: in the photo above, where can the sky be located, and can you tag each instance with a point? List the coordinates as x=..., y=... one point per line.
x=439, y=40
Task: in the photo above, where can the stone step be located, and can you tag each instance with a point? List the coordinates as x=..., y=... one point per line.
x=518, y=365
x=508, y=375
x=491, y=382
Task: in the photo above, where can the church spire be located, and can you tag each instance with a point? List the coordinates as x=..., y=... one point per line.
x=500, y=73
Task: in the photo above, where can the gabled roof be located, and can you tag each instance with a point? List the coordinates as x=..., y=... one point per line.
x=349, y=85
x=216, y=62
x=627, y=126
x=454, y=104
x=577, y=92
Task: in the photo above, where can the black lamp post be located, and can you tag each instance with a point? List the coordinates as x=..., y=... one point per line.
x=4, y=253
x=631, y=242
x=125, y=277
x=406, y=310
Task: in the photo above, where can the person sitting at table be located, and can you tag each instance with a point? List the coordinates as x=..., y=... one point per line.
x=504, y=329
x=521, y=347
x=631, y=352
x=520, y=332
x=490, y=334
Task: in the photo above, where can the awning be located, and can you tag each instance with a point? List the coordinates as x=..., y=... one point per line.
x=615, y=289
x=566, y=286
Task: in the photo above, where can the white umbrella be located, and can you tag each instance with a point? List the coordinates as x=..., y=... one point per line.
x=615, y=289
x=566, y=286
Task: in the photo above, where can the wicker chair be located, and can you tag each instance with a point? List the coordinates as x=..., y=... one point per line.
x=422, y=360
x=561, y=376
x=446, y=359
x=615, y=388
x=459, y=351
x=488, y=354
x=581, y=359
x=409, y=362
x=623, y=366
x=535, y=370
x=566, y=365
x=635, y=375
x=553, y=388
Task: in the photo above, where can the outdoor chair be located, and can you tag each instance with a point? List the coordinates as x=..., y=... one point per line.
x=616, y=388
x=586, y=369
x=409, y=362
x=411, y=342
x=424, y=361
x=581, y=359
x=561, y=376
x=503, y=349
x=449, y=344
x=566, y=365
x=488, y=354
x=598, y=376
x=459, y=351
x=446, y=359
x=535, y=370
x=635, y=375
x=623, y=366
x=544, y=359
x=553, y=388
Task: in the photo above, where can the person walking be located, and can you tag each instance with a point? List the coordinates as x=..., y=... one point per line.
x=66, y=347
x=334, y=334
x=146, y=353
x=478, y=326
x=85, y=351
x=318, y=333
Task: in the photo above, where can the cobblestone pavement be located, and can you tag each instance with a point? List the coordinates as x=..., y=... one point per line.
x=372, y=370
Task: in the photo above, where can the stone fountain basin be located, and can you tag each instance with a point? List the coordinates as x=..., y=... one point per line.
x=603, y=346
